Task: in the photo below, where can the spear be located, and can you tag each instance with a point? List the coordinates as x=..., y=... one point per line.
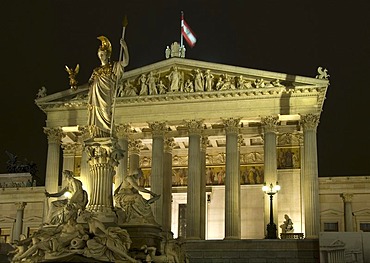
x=124, y=25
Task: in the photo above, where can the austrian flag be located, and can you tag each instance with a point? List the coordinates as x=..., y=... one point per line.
x=187, y=33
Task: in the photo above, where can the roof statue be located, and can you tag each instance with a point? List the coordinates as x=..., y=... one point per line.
x=176, y=50
x=323, y=73
x=41, y=93
x=72, y=76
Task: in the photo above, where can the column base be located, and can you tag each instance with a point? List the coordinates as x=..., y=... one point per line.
x=271, y=231
x=232, y=238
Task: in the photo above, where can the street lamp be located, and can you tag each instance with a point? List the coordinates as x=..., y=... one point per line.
x=271, y=227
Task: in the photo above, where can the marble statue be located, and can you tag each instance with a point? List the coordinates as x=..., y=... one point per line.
x=102, y=87
x=174, y=78
x=322, y=73
x=167, y=52
x=208, y=77
x=198, y=81
x=161, y=87
x=41, y=93
x=227, y=83
x=189, y=86
x=287, y=226
x=127, y=91
x=54, y=241
x=151, y=81
x=136, y=208
x=108, y=243
x=144, y=87
x=78, y=199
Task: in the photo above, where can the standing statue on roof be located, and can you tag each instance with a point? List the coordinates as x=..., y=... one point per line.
x=102, y=85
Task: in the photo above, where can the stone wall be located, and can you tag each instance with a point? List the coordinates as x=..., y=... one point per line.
x=253, y=251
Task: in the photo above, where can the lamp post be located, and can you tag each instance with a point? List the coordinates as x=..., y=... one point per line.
x=271, y=227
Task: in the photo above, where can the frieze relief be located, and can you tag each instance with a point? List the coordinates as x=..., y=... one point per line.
x=178, y=80
x=289, y=139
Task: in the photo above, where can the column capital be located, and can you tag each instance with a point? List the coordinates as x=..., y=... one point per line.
x=134, y=146
x=54, y=134
x=269, y=123
x=194, y=126
x=85, y=133
x=20, y=205
x=104, y=153
x=310, y=121
x=69, y=148
x=158, y=128
x=231, y=125
x=169, y=143
x=123, y=130
x=346, y=197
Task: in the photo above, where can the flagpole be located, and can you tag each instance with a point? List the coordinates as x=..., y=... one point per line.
x=124, y=24
x=181, y=25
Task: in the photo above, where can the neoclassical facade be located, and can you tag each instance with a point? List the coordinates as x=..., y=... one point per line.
x=207, y=136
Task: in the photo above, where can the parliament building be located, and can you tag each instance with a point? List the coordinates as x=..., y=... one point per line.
x=208, y=137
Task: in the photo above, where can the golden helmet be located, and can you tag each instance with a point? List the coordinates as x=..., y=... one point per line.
x=105, y=45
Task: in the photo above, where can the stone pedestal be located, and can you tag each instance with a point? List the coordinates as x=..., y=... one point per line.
x=144, y=234
x=103, y=154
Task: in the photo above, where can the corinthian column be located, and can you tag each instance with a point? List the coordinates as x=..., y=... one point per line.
x=158, y=130
x=52, y=165
x=270, y=162
x=203, y=199
x=19, y=220
x=167, y=184
x=347, y=199
x=122, y=132
x=232, y=180
x=194, y=180
x=134, y=147
x=310, y=176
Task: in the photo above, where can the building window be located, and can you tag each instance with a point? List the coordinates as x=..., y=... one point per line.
x=4, y=235
x=365, y=227
x=331, y=227
x=182, y=220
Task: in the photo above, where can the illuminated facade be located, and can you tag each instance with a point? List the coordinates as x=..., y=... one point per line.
x=207, y=137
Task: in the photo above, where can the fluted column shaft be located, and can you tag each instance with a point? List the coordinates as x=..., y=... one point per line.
x=52, y=164
x=203, y=198
x=232, y=181
x=104, y=156
x=310, y=177
x=167, y=184
x=19, y=220
x=134, y=147
x=158, y=130
x=69, y=152
x=85, y=172
x=270, y=162
x=348, y=222
x=194, y=181
x=122, y=132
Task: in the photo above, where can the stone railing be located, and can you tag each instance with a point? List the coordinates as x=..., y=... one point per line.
x=291, y=235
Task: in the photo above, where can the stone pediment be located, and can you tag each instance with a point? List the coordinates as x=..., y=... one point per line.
x=177, y=79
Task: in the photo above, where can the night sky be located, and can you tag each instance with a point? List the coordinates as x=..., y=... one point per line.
x=295, y=37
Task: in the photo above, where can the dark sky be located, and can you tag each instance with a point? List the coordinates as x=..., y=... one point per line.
x=39, y=37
